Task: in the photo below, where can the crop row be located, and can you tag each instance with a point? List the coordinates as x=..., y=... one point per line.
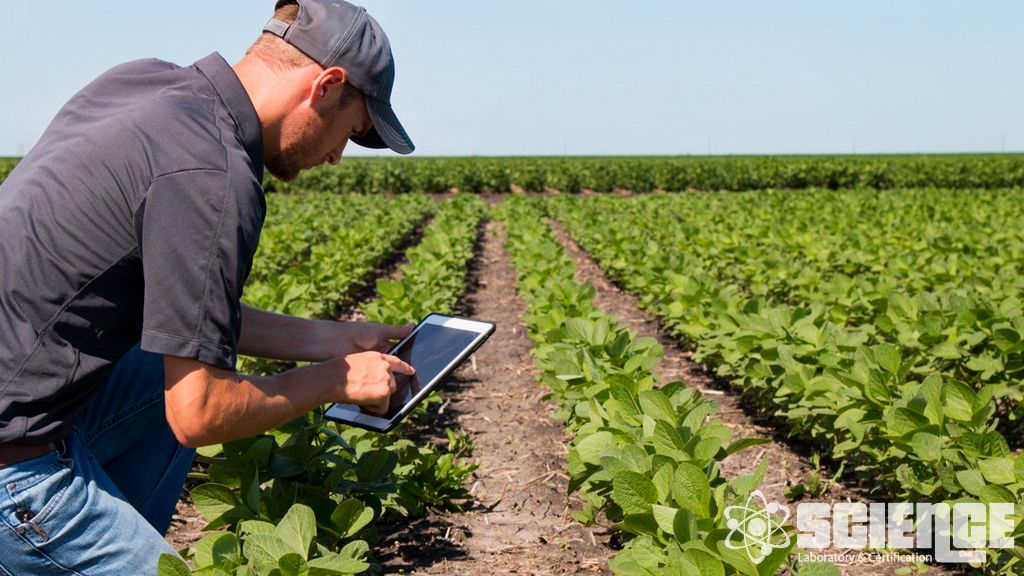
x=849, y=250
x=642, y=174
x=644, y=457
x=362, y=233
x=296, y=223
x=890, y=400
x=305, y=498
x=936, y=272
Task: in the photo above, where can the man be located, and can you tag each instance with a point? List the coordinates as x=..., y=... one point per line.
x=127, y=234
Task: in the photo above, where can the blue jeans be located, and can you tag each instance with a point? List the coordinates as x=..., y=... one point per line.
x=99, y=504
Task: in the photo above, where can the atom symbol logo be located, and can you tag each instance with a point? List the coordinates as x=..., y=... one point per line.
x=756, y=526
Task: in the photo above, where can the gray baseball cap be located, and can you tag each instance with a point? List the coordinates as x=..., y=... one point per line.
x=336, y=33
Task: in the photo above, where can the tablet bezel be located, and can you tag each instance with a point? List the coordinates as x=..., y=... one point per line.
x=352, y=414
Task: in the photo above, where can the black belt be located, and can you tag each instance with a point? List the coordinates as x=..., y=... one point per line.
x=12, y=453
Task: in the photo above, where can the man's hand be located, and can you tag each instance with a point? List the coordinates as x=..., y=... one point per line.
x=369, y=379
x=367, y=336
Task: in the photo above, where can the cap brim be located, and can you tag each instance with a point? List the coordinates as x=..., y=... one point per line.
x=387, y=131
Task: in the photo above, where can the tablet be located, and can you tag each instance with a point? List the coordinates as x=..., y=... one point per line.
x=435, y=348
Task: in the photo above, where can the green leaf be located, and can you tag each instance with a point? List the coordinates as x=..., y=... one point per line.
x=928, y=447
x=355, y=550
x=852, y=420
x=992, y=494
x=633, y=492
x=260, y=451
x=293, y=565
x=662, y=481
x=685, y=527
x=702, y=563
x=743, y=444
x=592, y=446
x=210, y=451
x=946, y=351
x=655, y=404
x=390, y=289
x=350, y=517
x=888, y=357
x=902, y=305
x=987, y=365
x=297, y=529
x=958, y=402
x=250, y=486
x=931, y=390
x=877, y=389
x=212, y=549
x=667, y=441
x=903, y=421
x=350, y=560
x=333, y=564
x=376, y=465
x=256, y=527
x=213, y=500
x=639, y=524
x=691, y=490
x=1006, y=339
x=265, y=549
x=636, y=459
x=738, y=559
x=998, y=470
x=665, y=516
x=972, y=481
x=172, y=565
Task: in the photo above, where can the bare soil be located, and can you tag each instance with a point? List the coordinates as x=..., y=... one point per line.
x=520, y=521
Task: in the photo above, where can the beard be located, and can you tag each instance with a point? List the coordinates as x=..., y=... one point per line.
x=299, y=145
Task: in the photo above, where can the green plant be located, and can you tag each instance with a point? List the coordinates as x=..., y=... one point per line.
x=905, y=390
x=289, y=548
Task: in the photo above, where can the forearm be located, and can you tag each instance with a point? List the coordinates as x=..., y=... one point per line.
x=209, y=405
x=279, y=337
x=227, y=406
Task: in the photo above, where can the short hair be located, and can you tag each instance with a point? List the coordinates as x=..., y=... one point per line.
x=273, y=50
x=282, y=56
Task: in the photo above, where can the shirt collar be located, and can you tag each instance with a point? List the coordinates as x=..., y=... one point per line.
x=238, y=104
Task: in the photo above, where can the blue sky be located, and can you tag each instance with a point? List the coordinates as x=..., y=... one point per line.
x=595, y=77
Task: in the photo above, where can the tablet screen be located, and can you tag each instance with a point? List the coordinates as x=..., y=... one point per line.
x=435, y=348
x=440, y=346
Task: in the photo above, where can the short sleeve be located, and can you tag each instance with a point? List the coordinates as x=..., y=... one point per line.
x=197, y=236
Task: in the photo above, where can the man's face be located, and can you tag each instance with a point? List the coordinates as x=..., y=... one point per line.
x=316, y=135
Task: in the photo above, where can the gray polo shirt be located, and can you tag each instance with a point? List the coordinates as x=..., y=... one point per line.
x=134, y=218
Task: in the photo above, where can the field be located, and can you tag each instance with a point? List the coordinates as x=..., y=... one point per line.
x=673, y=334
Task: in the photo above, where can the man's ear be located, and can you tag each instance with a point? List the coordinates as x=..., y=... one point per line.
x=326, y=85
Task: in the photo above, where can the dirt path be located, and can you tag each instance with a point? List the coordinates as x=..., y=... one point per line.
x=786, y=467
x=521, y=520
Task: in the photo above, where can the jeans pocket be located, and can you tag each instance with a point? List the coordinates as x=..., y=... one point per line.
x=36, y=496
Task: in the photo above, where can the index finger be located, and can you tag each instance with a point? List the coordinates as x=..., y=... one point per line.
x=399, y=365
